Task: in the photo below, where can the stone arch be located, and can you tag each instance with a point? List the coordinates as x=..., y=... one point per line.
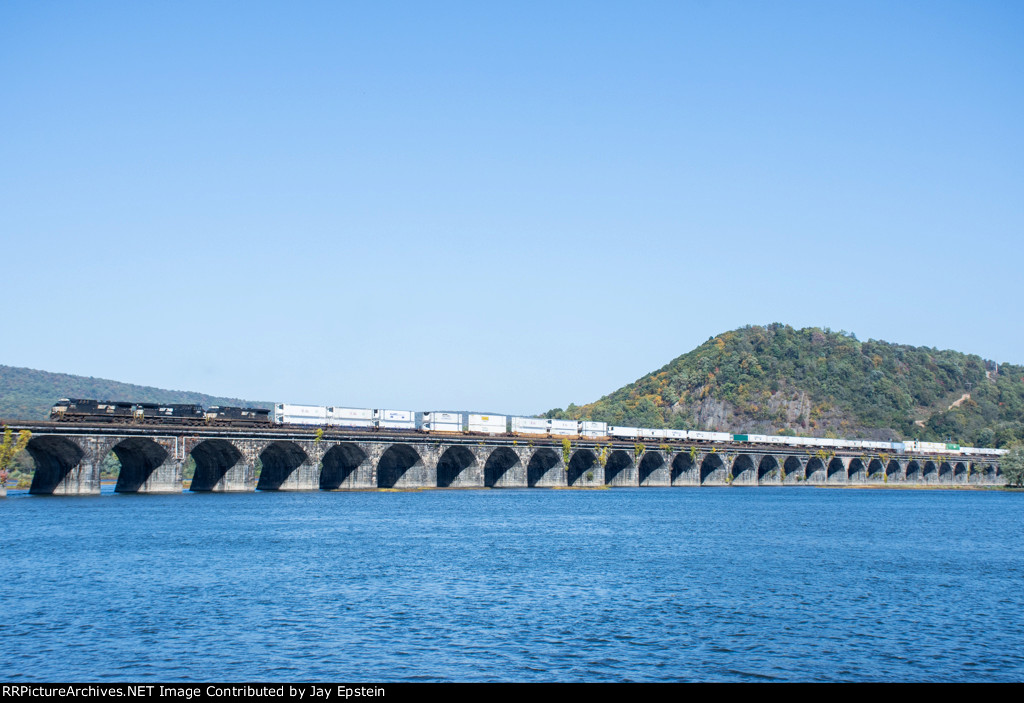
x=582, y=464
x=945, y=472
x=913, y=470
x=713, y=470
x=503, y=468
x=856, y=471
x=893, y=470
x=875, y=470
x=280, y=460
x=340, y=466
x=814, y=472
x=684, y=471
x=545, y=468
x=930, y=474
x=743, y=470
x=768, y=470
x=836, y=471
x=794, y=470
x=400, y=464
x=653, y=470
x=214, y=458
x=619, y=468
x=960, y=473
x=456, y=468
x=977, y=473
x=139, y=457
x=55, y=458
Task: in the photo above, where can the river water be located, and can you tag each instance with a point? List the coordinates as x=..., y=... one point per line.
x=674, y=584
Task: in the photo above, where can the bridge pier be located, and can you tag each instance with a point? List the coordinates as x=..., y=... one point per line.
x=66, y=467
x=685, y=468
x=620, y=469
x=743, y=471
x=224, y=466
x=148, y=465
x=505, y=467
x=654, y=469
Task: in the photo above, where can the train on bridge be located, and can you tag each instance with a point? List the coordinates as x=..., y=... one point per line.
x=78, y=410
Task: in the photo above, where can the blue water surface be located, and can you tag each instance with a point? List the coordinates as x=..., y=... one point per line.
x=673, y=584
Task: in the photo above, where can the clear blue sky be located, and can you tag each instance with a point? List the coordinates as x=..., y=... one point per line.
x=498, y=206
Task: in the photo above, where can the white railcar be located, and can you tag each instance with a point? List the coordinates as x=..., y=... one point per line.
x=488, y=424
x=624, y=432
x=394, y=419
x=529, y=425
x=437, y=421
x=593, y=430
x=563, y=428
x=349, y=417
x=289, y=414
x=676, y=435
x=702, y=436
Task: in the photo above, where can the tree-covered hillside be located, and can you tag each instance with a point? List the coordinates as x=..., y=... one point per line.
x=776, y=379
x=27, y=394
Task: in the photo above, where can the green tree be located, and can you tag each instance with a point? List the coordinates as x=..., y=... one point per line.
x=9, y=449
x=1012, y=465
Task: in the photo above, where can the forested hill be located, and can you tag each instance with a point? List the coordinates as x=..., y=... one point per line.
x=778, y=380
x=27, y=394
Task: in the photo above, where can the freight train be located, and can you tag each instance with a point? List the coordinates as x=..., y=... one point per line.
x=444, y=422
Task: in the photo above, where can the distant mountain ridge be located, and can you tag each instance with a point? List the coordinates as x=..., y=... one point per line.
x=28, y=394
x=776, y=379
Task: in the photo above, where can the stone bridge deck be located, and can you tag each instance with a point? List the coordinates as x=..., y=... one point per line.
x=68, y=459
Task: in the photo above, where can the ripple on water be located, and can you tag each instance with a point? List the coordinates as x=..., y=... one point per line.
x=623, y=585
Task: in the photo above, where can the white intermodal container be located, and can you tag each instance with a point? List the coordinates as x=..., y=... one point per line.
x=529, y=425
x=288, y=414
x=394, y=415
x=488, y=424
x=564, y=428
x=675, y=434
x=349, y=417
x=436, y=421
x=709, y=436
x=646, y=433
x=624, y=432
x=593, y=429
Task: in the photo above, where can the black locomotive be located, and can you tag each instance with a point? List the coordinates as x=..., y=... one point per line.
x=121, y=412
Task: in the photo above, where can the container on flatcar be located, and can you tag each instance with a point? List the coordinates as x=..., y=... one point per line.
x=564, y=428
x=349, y=417
x=529, y=425
x=395, y=419
x=931, y=447
x=289, y=414
x=709, y=436
x=488, y=424
x=646, y=433
x=624, y=432
x=675, y=434
x=437, y=421
x=593, y=430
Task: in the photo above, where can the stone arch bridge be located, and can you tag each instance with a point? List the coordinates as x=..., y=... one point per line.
x=68, y=462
